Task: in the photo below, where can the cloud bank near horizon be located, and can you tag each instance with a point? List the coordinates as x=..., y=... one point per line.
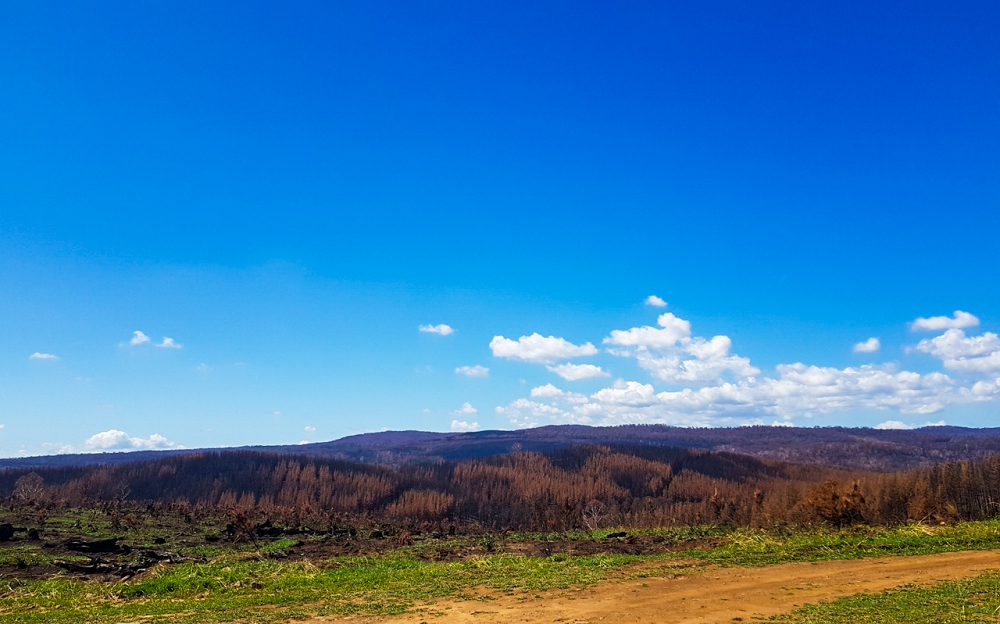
x=709, y=385
x=114, y=441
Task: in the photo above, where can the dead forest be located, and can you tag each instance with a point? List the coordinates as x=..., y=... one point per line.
x=583, y=487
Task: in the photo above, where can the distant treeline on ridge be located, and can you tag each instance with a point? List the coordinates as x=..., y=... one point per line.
x=586, y=486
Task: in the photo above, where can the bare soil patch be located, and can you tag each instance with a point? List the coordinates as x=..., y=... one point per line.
x=716, y=595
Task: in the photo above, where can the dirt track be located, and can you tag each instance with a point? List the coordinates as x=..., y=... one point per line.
x=717, y=595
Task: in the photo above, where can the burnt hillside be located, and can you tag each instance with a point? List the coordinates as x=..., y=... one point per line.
x=583, y=486
x=849, y=448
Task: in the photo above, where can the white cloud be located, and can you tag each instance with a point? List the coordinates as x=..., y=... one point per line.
x=465, y=410
x=868, y=346
x=797, y=391
x=893, y=424
x=972, y=354
x=672, y=330
x=671, y=354
x=548, y=391
x=730, y=391
x=309, y=429
x=539, y=349
x=463, y=426
x=138, y=338
x=441, y=330
x=473, y=371
x=711, y=359
x=115, y=440
x=575, y=372
x=953, y=344
x=898, y=424
x=168, y=343
x=655, y=301
x=57, y=449
x=525, y=413
x=43, y=356
x=960, y=320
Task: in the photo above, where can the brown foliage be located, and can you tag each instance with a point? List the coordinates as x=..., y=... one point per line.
x=589, y=486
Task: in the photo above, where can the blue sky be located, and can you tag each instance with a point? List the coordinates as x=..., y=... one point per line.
x=289, y=192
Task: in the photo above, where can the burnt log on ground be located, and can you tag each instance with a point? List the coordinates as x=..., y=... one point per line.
x=105, y=546
x=163, y=555
x=98, y=566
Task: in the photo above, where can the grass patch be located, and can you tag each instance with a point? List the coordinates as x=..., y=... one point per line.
x=759, y=547
x=972, y=600
x=236, y=587
x=240, y=583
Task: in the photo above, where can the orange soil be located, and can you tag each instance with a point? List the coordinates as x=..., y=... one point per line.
x=716, y=595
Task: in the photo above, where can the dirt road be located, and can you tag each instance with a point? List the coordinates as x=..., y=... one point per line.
x=717, y=595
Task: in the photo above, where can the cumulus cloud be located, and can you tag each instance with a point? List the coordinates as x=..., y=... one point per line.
x=798, y=390
x=138, y=338
x=43, y=356
x=868, y=346
x=525, y=413
x=673, y=355
x=465, y=410
x=463, y=426
x=548, y=391
x=959, y=320
x=898, y=424
x=893, y=425
x=672, y=330
x=655, y=301
x=719, y=388
x=168, y=343
x=697, y=361
x=473, y=371
x=967, y=354
x=575, y=372
x=310, y=429
x=441, y=330
x=115, y=440
x=539, y=349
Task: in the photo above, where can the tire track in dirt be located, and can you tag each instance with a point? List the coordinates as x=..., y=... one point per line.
x=713, y=596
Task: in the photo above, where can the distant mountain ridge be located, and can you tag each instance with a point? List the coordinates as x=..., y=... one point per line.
x=855, y=448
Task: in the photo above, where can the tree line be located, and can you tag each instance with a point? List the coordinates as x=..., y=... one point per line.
x=586, y=486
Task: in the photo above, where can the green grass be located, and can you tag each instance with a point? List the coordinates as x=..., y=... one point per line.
x=239, y=588
x=759, y=547
x=239, y=583
x=973, y=600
